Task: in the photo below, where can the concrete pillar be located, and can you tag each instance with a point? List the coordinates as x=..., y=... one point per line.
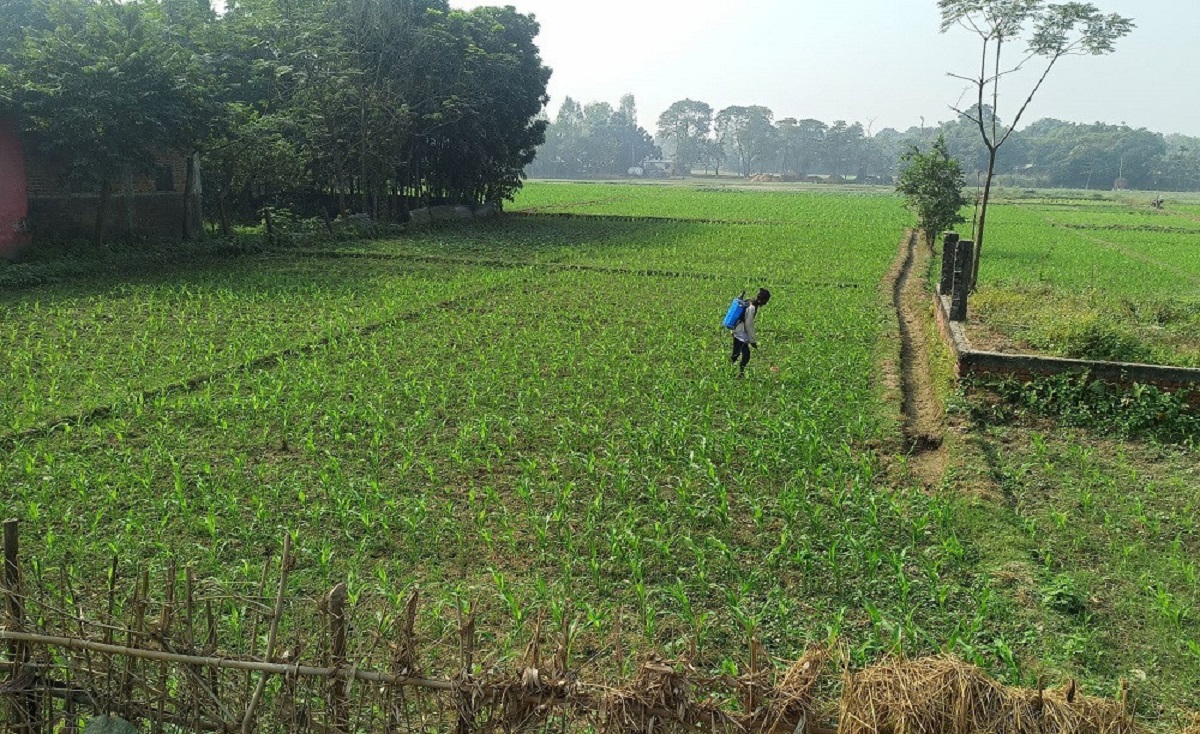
x=949, y=246
x=964, y=256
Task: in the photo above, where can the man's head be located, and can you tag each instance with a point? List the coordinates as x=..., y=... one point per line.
x=763, y=296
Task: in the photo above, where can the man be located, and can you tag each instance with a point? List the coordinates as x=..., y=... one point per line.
x=744, y=335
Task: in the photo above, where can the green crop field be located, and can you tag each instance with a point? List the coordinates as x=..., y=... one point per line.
x=1107, y=279
x=537, y=414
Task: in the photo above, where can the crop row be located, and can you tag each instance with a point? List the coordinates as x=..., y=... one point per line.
x=586, y=441
x=71, y=354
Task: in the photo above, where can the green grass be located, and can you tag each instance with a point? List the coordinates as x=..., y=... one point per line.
x=566, y=427
x=1101, y=550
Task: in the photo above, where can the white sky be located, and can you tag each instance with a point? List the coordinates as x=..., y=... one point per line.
x=854, y=60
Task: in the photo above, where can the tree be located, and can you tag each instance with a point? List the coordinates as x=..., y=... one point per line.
x=686, y=125
x=749, y=133
x=1051, y=32
x=932, y=185
x=808, y=145
x=844, y=148
x=105, y=88
x=594, y=140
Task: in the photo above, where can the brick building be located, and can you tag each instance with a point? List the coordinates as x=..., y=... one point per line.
x=13, y=199
x=37, y=201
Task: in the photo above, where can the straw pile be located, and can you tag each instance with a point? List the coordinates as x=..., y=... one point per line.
x=942, y=695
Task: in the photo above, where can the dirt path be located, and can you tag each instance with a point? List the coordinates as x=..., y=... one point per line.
x=924, y=421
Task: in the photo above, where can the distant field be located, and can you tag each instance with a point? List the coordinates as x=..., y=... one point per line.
x=537, y=414
x=1109, y=279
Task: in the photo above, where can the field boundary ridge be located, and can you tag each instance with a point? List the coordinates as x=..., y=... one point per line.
x=549, y=265
x=971, y=362
x=664, y=219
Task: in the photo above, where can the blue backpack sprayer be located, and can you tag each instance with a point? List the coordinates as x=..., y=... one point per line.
x=736, y=311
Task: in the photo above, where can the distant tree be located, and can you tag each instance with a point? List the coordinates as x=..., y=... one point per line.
x=1051, y=31
x=594, y=140
x=844, y=148
x=932, y=185
x=808, y=145
x=686, y=125
x=1179, y=168
x=636, y=144
x=749, y=133
x=713, y=154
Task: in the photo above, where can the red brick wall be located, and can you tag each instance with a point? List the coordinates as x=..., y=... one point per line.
x=13, y=202
x=44, y=175
x=55, y=212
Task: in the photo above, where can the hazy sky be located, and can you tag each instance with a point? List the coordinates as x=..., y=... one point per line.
x=864, y=60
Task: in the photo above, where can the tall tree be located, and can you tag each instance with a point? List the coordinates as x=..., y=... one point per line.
x=1051, y=31
x=686, y=125
x=749, y=133
x=105, y=88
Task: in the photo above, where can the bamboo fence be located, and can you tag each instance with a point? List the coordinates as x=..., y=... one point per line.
x=194, y=656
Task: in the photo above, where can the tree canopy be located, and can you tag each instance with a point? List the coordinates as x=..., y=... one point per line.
x=932, y=184
x=359, y=104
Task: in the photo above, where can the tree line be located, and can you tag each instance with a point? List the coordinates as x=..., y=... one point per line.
x=363, y=105
x=594, y=140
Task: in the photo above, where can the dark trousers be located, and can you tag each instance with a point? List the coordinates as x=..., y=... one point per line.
x=740, y=349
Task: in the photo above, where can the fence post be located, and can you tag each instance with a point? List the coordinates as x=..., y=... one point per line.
x=949, y=249
x=337, y=630
x=23, y=706
x=465, y=693
x=963, y=257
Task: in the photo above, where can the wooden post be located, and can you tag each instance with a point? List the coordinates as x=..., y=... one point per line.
x=949, y=248
x=24, y=707
x=961, y=288
x=750, y=702
x=284, y=569
x=337, y=631
x=466, y=638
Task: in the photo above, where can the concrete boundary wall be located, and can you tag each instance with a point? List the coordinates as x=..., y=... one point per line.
x=1026, y=367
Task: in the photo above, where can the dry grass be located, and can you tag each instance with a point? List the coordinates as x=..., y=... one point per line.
x=942, y=695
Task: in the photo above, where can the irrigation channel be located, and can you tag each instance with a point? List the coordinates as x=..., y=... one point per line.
x=924, y=421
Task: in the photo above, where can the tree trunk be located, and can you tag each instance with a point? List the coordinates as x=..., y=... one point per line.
x=226, y=227
x=187, y=197
x=983, y=207
x=127, y=202
x=102, y=212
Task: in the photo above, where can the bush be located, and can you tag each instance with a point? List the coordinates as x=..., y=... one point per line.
x=1079, y=400
x=1095, y=336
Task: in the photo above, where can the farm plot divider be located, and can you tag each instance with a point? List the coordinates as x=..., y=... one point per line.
x=950, y=309
x=200, y=656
